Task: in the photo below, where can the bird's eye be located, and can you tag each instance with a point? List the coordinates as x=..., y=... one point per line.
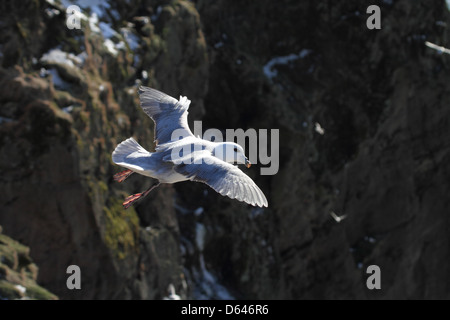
x=235, y=149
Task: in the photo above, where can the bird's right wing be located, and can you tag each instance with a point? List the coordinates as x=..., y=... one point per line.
x=168, y=113
x=223, y=177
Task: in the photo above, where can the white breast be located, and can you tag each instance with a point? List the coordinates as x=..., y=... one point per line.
x=172, y=177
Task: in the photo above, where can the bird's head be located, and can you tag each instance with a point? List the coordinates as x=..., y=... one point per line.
x=231, y=152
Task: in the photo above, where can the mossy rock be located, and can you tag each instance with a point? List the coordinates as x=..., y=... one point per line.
x=155, y=46
x=12, y=253
x=8, y=291
x=122, y=229
x=39, y=293
x=17, y=269
x=64, y=99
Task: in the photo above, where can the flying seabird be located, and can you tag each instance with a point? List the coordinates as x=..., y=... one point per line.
x=180, y=156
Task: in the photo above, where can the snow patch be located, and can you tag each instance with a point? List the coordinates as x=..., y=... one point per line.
x=256, y=212
x=20, y=288
x=43, y=73
x=181, y=209
x=130, y=38
x=269, y=69
x=439, y=49
x=182, y=250
x=198, y=211
x=318, y=128
x=52, y=12
x=218, y=45
x=370, y=239
x=61, y=57
x=172, y=295
x=93, y=23
x=207, y=285
x=200, y=233
x=68, y=109
x=156, y=15
x=111, y=47
x=98, y=7
x=121, y=45
x=107, y=31
x=5, y=120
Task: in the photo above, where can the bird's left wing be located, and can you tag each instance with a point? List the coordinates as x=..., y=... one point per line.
x=223, y=177
x=168, y=113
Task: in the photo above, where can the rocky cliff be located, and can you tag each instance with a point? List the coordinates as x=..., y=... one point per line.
x=363, y=122
x=18, y=273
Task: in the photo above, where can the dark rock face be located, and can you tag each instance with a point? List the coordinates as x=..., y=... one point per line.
x=363, y=122
x=379, y=95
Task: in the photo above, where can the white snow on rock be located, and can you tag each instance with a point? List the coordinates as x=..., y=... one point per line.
x=93, y=23
x=130, y=38
x=20, y=288
x=198, y=211
x=52, y=12
x=111, y=47
x=200, y=233
x=218, y=45
x=107, y=31
x=319, y=129
x=155, y=16
x=95, y=6
x=269, y=67
x=172, y=295
x=207, y=285
x=61, y=57
x=68, y=109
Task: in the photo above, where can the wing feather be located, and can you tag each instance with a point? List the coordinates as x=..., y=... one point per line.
x=224, y=178
x=168, y=114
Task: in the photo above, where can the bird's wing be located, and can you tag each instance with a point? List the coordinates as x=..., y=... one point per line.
x=223, y=177
x=168, y=113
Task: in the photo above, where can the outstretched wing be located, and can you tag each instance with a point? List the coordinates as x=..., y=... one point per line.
x=223, y=177
x=168, y=113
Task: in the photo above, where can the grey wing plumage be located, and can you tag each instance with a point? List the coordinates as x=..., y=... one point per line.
x=224, y=178
x=168, y=113
x=130, y=154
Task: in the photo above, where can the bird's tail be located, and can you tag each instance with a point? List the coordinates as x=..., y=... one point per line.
x=126, y=149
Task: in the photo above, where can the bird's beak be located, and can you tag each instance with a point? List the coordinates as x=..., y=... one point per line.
x=247, y=163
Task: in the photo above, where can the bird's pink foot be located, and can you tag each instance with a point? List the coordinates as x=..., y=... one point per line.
x=131, y=199
x=121, y=176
